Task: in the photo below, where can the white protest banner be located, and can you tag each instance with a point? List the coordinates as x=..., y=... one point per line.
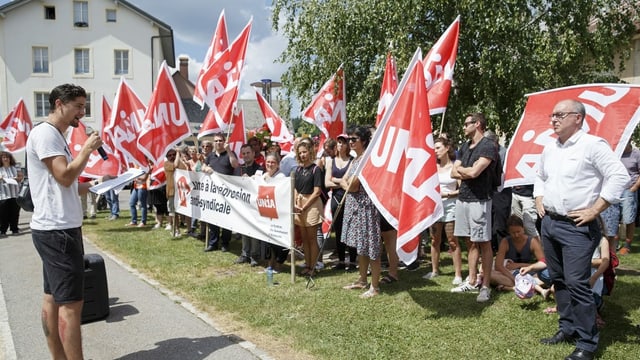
x=249, y=206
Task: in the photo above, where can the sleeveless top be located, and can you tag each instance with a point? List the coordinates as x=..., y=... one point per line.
x=447, y=183
x=338, y=193
x=519, y=257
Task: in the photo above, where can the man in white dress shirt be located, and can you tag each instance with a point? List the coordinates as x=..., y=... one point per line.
x=578, y=177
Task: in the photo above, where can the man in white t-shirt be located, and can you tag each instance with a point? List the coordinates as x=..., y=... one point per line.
x=57, y=218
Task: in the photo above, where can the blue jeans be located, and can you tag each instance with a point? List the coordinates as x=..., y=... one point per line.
x=138, y=195
x=113, y=201
x=568, y=250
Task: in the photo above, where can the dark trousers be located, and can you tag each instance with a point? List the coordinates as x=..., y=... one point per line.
x=9, y=215
x=337, y=228
x=219, y=235
x=568, y=250
x=500, y=211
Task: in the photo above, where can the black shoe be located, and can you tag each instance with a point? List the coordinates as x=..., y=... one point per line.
x=413, y=266
x=210, y=248
x=339, y=266
x=579, y=354
x=558, y=338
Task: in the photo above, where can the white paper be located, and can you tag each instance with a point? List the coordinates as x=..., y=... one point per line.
x=10, y=181
x=117, y=183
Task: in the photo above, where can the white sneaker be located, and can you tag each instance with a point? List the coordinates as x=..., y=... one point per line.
x=457, y=280
x=430, y=275
x=465, y=287
x=484, y=295
x=319, y=265
x=168, y=227
x=156, y=226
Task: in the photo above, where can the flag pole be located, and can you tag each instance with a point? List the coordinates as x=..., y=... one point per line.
x=442, y=122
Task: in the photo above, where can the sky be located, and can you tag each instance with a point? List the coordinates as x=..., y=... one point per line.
x=194, y=21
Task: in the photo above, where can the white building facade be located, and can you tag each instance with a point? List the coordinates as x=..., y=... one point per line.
x=91, y=43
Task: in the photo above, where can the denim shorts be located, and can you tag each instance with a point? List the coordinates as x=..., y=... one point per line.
x=62, y=254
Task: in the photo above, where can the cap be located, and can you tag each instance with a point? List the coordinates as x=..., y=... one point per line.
x=342, y=136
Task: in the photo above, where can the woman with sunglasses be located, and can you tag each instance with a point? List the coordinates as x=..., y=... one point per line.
x=361, y=222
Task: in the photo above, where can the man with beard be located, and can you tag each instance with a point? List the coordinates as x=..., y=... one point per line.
x=57, y=218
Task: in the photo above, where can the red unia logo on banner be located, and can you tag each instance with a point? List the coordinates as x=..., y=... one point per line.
x=183, y=190
x=266, y=202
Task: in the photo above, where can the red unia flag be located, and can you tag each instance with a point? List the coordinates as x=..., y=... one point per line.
x=398, y=170
x=328, y=108
x=96, y=167
x=107, y=138
x=438, y=68
x=238, y=136
x=219, y=43
x=16, y=126
x=613, y=112
x=278, y=128
x=158, y=177
x=221, y=81
x=125, y=124
x=389, y=87
x=165, y=123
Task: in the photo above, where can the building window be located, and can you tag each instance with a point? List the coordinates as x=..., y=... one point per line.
x=87, y=106
x=41, y=104
x=111, y=15
x=82, y=63
x=121, y=58
x=40, y=60
x=80, y=13
x=50, y=12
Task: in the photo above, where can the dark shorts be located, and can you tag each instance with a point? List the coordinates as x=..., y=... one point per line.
x=384, y=224
x=62, y=254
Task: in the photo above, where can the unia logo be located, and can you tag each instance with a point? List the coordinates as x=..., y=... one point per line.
x=183, y=190
x=266, y=202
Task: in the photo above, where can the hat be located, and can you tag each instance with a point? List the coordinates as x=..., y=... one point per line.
x=345, y=136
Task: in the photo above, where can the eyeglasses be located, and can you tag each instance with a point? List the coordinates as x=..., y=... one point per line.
x=561, y=115
x=216, y=141
x=467, y=123
x=354, y=139
x=206, y=146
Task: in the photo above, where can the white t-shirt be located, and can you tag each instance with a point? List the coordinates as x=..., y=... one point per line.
x=56, y=207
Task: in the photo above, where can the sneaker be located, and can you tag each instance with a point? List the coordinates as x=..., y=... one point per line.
x=457, y=280
x=319, y=265
x=430, y=275
x=132, y=224
x=113, y=217
x=484, y=295
x=624, y=251
x=141, y=225
x=465, y=287
x=413, y=266
x=168, y=227
x=242, y=260
x=156, y=226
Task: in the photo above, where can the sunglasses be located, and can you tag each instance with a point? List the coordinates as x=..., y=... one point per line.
x=354, y=139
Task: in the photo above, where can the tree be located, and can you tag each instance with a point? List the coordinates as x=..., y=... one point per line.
x=507, y=48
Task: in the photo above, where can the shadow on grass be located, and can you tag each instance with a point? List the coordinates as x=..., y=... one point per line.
x=182, y=348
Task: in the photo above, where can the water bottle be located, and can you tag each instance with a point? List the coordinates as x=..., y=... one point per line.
x=269, y=276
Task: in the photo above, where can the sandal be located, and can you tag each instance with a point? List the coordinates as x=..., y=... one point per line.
x=370, y=293
x=358, y=285
x=550, y=310
x=306, y=271
x=388, y=279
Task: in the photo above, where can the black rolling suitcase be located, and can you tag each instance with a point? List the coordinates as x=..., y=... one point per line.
x=96, y=292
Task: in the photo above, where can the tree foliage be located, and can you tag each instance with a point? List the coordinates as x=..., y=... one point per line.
x=507, y=48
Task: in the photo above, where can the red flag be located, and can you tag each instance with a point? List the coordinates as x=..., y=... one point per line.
x=613, y=112
x=438, y=68
x=328, y=108
x=158, y=176
x=107, y=138
x=238, y=136
x=327, y=218
x=17, y=126
x=165, y=123
x=222, y=79
x=389, y=87
x=219, y=43
x=399, y=166
x=96, y=167
x=278, y=128
x=125, y=124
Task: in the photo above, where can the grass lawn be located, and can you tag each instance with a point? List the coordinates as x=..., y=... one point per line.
x=411, y=319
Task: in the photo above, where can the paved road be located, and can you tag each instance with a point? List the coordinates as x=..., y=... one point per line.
x=145, y=322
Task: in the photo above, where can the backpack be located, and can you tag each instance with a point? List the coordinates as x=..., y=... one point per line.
x=609, y=275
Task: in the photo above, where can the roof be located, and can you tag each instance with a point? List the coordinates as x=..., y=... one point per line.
x=165, y=31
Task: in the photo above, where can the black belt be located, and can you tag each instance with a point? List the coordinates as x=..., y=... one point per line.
x=558, y=217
